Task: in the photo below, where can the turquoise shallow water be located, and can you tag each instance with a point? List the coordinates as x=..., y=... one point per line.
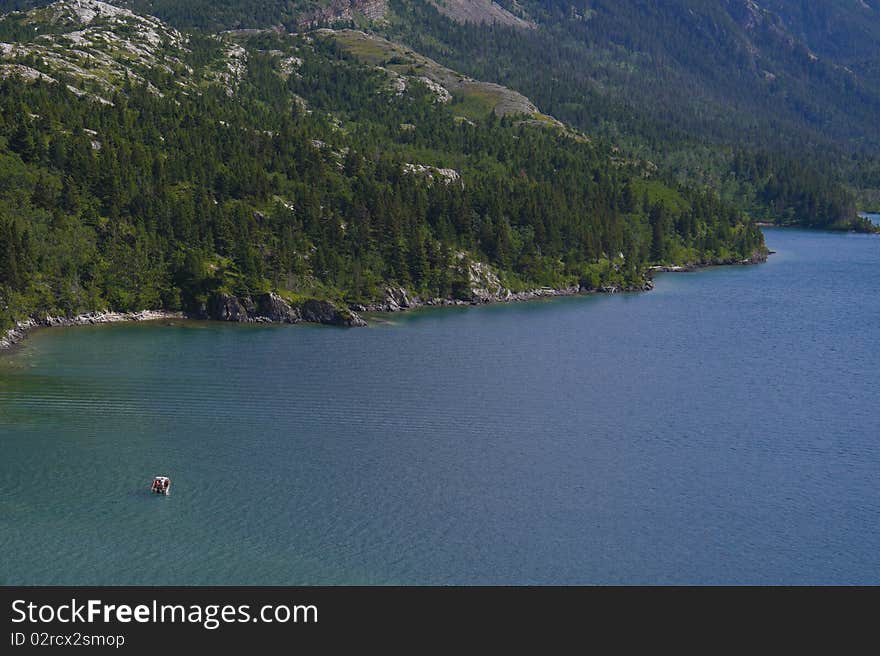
x=721, y=429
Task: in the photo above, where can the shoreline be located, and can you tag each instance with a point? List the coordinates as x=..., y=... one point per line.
x=397, y=299
x=795, y=226
x=12, y=337
x=22, y=329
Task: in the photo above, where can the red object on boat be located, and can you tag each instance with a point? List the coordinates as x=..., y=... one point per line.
x=161, y=485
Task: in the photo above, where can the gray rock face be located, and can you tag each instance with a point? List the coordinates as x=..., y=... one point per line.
x=226, y=307
x=271, y=308
x=325, y=312
x=276, y=309
x=396, y=298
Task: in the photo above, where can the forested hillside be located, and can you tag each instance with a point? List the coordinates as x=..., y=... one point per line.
x=687, y=85
x=141, y=167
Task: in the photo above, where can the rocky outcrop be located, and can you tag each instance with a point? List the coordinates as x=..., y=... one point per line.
x=483, y=11
x=483, y=296
x=272, y=308
x=262, y=308
x=341, y=10
x=398, y=299
x=432, y=173
x=226, y=307
x=484, y=284
x=99, y=48
x=326, y=312
x=14, y=335
x=276, y=309
x=395, y=300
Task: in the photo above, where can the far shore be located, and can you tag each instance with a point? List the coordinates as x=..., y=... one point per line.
x=795, y=226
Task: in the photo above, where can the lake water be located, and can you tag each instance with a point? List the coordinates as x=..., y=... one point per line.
x=723, y=428
x=875, y=218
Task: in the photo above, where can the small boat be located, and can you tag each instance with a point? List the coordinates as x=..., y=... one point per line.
x=161, y=485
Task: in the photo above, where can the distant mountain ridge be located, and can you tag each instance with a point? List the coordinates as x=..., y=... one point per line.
x=713, y=68
x=687, y=82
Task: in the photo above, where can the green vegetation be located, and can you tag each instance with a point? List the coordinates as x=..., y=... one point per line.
x=689, y=86
x=684, y=84
x=298, y=177
x=144, y=168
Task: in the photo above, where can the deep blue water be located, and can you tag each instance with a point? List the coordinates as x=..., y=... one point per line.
x=721, y=429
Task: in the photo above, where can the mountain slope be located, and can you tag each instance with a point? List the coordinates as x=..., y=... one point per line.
x=484, y=11
x=715, y=68
x=844, y=29
x=683, y=83
x=273, y=176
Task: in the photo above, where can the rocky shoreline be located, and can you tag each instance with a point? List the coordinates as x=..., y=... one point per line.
x=14, y=335
x=398, y=299
x=758, y=257
x=487, y=289
x=273, y=308
x=262, y=308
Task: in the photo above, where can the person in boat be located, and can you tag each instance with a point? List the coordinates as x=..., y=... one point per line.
x=160, y=485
